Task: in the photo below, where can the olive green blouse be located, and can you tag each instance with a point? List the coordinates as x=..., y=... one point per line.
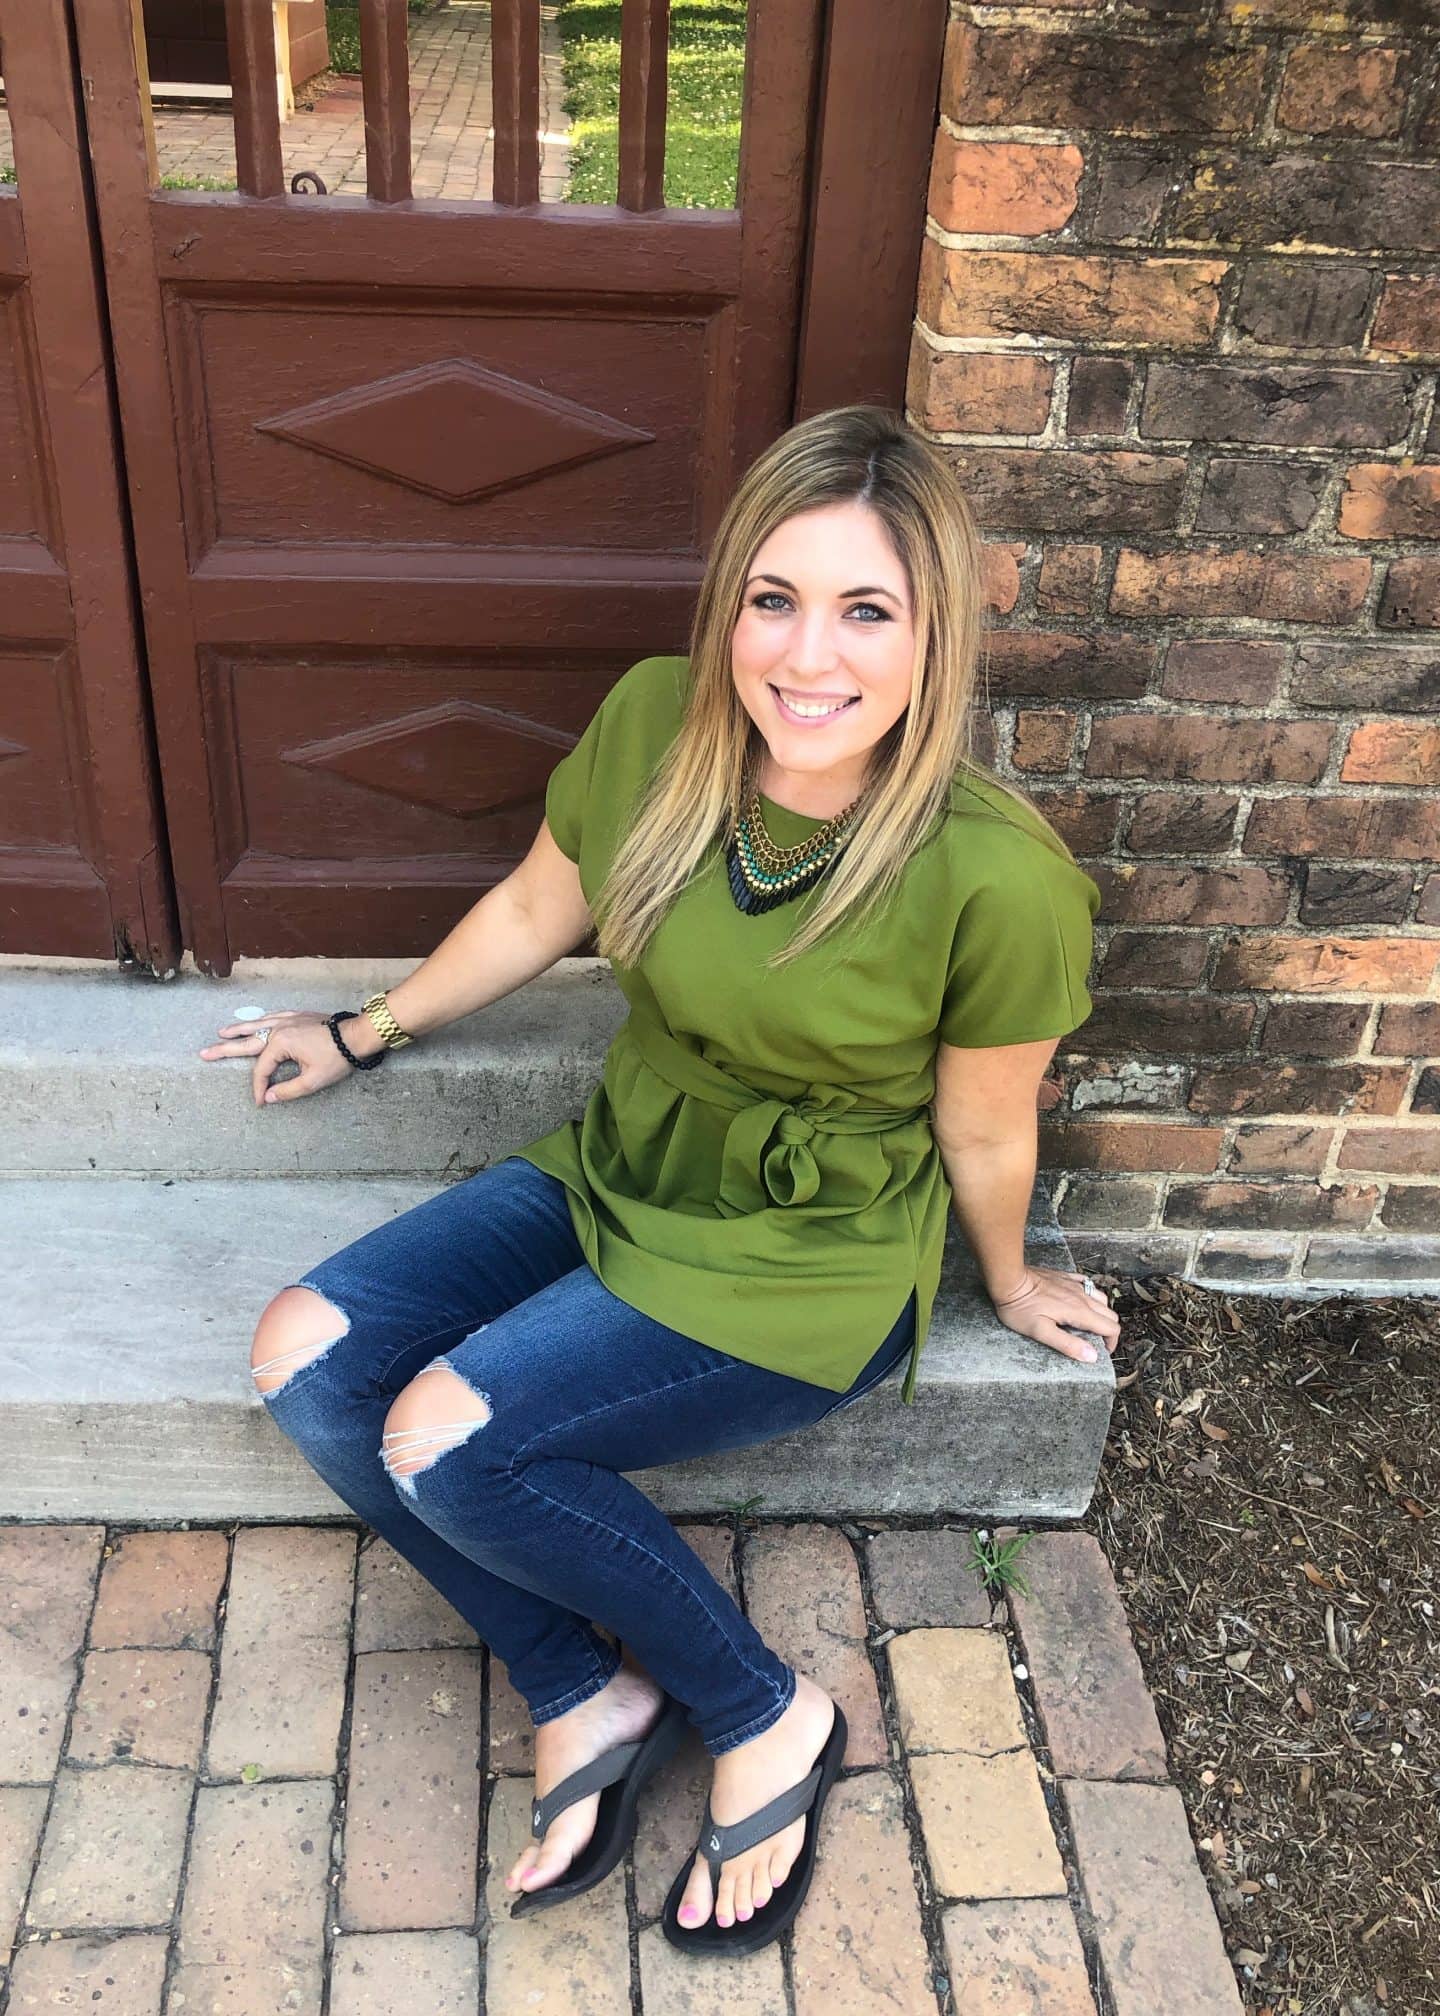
x=756, y=1167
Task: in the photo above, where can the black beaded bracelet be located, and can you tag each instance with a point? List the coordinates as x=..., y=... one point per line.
x=332, y=1023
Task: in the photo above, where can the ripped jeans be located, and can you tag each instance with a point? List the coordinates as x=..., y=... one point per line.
x=522, y=1521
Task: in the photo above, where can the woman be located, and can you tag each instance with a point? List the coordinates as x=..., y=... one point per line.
x=826, y=919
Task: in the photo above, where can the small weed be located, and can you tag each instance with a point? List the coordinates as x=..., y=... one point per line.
x=994, y=1561
x=742, y=1506
x=193, y=182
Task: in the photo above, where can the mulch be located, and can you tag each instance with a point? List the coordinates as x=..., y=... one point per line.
x=1270, y=1503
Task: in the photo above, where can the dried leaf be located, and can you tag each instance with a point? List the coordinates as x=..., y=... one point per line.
x=1390, y=1476
x=1214, y=1431
x=1305, y=1702
x=1238, y=1661
x=1192, y=1402
x=1415, y=1511
x=1315, y=1575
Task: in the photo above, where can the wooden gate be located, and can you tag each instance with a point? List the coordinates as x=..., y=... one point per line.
x=83, y=871
x=412, y=481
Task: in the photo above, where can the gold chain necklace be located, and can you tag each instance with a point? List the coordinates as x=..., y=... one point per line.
x=763, y=874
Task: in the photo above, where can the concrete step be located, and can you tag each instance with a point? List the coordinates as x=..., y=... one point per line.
x=153, y=1210
x=129, y=1393
x=100, y=1076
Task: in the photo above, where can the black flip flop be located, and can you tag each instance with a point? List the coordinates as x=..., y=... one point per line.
x=617, y=1775
x=717, y=1844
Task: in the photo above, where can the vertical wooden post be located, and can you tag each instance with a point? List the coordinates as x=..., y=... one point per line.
x=254, y=90
x=142, y=74
x=385, y=79
x=515, y=99
x=644, y=67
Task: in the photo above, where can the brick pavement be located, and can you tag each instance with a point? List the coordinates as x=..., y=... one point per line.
x=451, y=147
x=235, y=1767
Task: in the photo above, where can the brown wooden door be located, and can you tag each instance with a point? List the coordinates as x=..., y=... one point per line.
x=413, y=481
x=83, y=868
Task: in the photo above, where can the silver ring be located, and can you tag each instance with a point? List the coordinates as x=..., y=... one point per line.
x=1088, y=1285
x=263, y=1034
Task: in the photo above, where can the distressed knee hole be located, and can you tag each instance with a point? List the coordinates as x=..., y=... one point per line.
x=428, y=1419
x=297, y=1326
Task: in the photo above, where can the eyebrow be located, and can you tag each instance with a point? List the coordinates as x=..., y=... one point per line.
x=781, y=582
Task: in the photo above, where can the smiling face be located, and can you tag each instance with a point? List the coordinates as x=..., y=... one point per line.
x=821, y=653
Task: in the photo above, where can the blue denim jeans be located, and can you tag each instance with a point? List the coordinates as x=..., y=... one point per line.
x=524, y=1525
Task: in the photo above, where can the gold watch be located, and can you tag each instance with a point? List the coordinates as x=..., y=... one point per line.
x=388, y=1029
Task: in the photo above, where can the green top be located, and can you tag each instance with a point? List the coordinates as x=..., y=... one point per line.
x=756, y=1168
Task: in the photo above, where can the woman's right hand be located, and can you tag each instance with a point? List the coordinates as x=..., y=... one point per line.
x=296, y=1034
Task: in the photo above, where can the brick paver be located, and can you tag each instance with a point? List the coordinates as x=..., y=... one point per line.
x=452, y=150
x=277, y=1865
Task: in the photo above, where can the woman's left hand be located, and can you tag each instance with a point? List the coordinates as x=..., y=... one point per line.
x=1046, y=1299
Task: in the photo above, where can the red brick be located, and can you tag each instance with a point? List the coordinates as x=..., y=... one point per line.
x=978, y=392
x=1183, y=822
x=1160, y=1945
x=1412, y=1207
x=1003, y=186
x=1146, y=893
x=1392, y=752
x=161, y=1589
x=860, y=1941
x=1283, y=1151
x=1096, y=1710
x=1068, y=575
x=1154, y=958
x=433, y=1973
x=252, y=1928
x=125, y=1976
x=1108, y=83
x=1270, y=1207
x=114, y=1845
x=1363, y=828
x=1166, y=1025
x=413, y=1813
x=1315, y=1028
x=1043, y=740
x=22, y=1817
x=802, y=1589
x=1409, y=1031
x=1208, y=748
x=1429, y=907
x=1411, y=600
x=1278, y=587
x=146, y=1706
x=1068, y=295
x=1391, y=500
x=48, y=1576
x=1356, y=92
x=1050, y=489
x=1085, y=820
x=987, y=1830
x=1016, y=1957
x=1407, y=322
x=1228, y=669
x=1001, y=563
x=1393, y=1151
x=1329, y=965
x=570, y=1960
x=1132, y=1144
x=396, y=1609
x=1299, y=1088
x=926, y=1577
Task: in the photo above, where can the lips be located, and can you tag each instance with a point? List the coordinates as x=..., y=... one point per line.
x=812, y=720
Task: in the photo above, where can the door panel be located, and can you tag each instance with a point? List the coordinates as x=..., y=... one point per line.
x=82, y=865
x=414, y=481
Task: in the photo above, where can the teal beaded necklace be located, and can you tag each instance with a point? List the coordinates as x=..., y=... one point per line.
x=763, y=875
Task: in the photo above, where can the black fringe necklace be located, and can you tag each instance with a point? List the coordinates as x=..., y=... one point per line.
x=763, y=875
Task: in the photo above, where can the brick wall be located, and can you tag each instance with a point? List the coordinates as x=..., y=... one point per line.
x=1178, y=319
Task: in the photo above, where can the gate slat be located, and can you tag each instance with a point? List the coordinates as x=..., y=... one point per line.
x=255, y=91
x=644, y=71
x=385, y=78
x=515, y=99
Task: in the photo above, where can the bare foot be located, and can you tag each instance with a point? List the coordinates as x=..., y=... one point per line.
x=626, y=1708
x=747, y=1778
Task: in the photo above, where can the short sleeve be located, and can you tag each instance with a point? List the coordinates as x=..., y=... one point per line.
x=568, y=788
x=1020, y=959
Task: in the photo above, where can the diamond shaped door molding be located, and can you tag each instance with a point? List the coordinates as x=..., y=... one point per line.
x=457, y=757
x=455, y=430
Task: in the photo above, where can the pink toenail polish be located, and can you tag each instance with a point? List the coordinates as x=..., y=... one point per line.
x=687, y=1913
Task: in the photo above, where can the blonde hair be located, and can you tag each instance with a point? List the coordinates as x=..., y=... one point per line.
x=851, y=454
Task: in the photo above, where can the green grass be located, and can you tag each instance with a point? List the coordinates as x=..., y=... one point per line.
x=994, y=1562
x=342, y=26
x=7, y=174
x=702, y=124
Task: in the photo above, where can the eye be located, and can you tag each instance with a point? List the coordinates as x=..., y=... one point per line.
x=766, y=595
x=874, y=609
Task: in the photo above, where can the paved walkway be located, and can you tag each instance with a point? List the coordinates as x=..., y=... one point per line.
x=235, y=1765
x=452, y=147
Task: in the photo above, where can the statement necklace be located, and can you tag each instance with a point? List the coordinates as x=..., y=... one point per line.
x=762, y=874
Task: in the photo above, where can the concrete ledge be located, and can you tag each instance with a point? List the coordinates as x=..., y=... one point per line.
x=101, y=1077
x=129, y=1393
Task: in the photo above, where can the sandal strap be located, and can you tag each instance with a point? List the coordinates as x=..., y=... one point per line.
x=718, y=1844
x=601, y=1771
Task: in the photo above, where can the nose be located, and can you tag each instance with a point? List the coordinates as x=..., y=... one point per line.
x=812, y=650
